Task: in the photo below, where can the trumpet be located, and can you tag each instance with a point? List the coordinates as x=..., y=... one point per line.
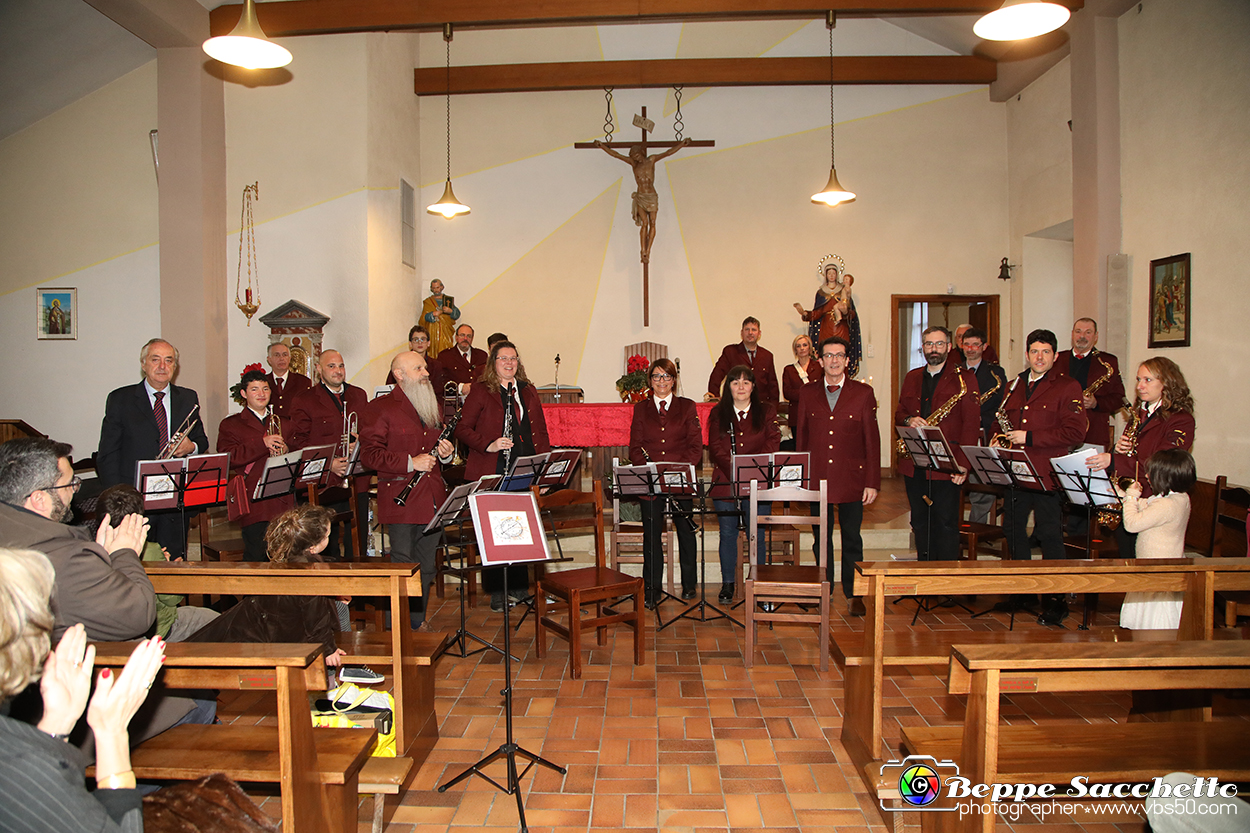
x=350, y=430
x=273, y=427
x=175, y=439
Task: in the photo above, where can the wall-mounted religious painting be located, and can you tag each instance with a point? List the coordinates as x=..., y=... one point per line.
x=1169, y=302
x=56, y=313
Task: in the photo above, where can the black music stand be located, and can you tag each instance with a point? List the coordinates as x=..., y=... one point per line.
x=279, y=477
x=509, y=531
x=703, y=605
x=554, y=473
x=1090, y=490
x=178, y=483
x=649, y=481
x=1012, y=468
x=522, y=474
x=929, y=450
x=452, y=512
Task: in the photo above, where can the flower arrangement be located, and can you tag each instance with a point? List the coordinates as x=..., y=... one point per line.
x=236, y=390
x=634, y=382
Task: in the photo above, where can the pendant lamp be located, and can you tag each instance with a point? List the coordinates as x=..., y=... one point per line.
x=833, y=193
x=448, y=206
x=1021, y=19
x=247, y=45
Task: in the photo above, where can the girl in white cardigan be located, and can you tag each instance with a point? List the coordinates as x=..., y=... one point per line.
x=1160, y=522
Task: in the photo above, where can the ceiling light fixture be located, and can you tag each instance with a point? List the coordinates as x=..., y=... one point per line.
x=833, y=193
x=247, y=45
x=448, y=206
x=1021, y=19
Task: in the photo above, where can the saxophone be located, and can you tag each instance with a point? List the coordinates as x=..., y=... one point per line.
x=940, y=414
x=1101, y=380
x=1111, y=514
x=1005, y=427
x=985, y=397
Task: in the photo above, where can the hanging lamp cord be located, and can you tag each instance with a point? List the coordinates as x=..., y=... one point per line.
x=829, y=23
x=447, y=42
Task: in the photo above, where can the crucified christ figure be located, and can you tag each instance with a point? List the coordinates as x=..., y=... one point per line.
x=646, y=201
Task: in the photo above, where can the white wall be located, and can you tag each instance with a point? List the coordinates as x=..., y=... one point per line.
x=1046, y=280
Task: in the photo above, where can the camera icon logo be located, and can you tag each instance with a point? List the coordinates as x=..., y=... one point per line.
x=919, y=778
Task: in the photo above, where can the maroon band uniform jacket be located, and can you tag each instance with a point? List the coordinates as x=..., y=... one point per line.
x=962, y=426
x=746, y=439
x=765, y=371
x=316, y=420
x=676, y=439
x=390, y=433
x=456, y=369
x=242, y=436
x=791, y=383
x=1110, y=396
x=481, y=423
x=1154, y=434
x=1053, y=415
x=845, y=443
x=280, y=400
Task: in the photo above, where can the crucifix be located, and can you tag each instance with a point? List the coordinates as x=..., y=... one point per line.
x=646, y=201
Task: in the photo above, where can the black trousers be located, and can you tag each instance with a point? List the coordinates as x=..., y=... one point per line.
x=1047, y=523
x=254, y=548
x=653, y=543
x=850, y=518
x=936, y=527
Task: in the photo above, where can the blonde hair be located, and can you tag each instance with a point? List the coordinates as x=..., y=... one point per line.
x=26, y=578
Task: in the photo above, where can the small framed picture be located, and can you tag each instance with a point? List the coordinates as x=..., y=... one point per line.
x=56, y=313
x=1169, y=302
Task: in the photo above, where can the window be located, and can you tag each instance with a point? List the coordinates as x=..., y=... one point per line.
x=408, y=223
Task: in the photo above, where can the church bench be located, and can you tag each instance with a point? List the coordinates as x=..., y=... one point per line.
x=317, y=769
x=864, y=655
x=415, y=721
x=1056, y=752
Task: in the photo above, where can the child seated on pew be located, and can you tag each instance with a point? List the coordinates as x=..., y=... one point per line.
x=1159, y=522
x=297, y=536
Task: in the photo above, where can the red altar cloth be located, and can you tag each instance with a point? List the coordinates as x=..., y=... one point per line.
x=600, y=424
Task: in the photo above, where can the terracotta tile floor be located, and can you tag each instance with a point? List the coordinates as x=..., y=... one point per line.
x=690, y=741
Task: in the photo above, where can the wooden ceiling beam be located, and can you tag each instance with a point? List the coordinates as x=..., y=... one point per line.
x=706, y=72
x=320, y=17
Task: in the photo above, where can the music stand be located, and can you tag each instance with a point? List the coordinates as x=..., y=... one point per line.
x=179, y=482
x=452, y=512
x=1010, y=467
x=522, y=474
x=646, y=481
x=509, y=531
x=314, y=465
x=929, y=450
x=1084, y=487
x=555, y=473
x=703, y=605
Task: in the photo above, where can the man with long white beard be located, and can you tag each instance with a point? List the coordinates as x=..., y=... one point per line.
x=399, y=436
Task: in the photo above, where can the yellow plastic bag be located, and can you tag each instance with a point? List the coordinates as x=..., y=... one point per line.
x=349, y=696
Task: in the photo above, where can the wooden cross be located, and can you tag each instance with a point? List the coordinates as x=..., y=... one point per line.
x=645, y=200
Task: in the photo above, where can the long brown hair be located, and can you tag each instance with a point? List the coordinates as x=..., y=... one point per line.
x=296, y=531
x=490, y=378
x=1176, y=396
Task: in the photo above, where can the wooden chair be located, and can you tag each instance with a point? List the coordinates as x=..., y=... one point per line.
x=349, y=517
x=625, y=543
x=226, y=549
x=973, y=535
x=585, y=586
x=781, y=547
x=1228, y=539
x=780, y=583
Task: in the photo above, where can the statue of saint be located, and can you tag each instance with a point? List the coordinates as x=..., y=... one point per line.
x=646, y=200
x=439, y=314
x=833, y=311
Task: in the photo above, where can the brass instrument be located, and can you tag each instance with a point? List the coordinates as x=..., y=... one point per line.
x=940, y=414
x=351, y=429
x=1101, y=380
x=273, y=428
x=175, y=439
x=448, y=430
x=1111, y=514
x=985, y=397
x=1005, y=427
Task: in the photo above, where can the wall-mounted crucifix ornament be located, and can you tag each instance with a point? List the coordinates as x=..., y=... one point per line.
x=646, y=202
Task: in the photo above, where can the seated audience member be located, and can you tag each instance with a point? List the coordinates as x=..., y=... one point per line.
x=174, y=620
x=42, y=776
x=297, y=536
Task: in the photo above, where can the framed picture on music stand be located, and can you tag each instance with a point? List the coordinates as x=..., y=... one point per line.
x=1169, y=302
x=508, y=527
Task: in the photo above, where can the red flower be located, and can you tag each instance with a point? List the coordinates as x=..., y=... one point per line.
x=637, y=363
x=250, y=368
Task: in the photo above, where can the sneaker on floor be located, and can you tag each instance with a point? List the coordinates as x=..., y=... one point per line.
x=519, y=595
x=424, y=627
x=496, y=602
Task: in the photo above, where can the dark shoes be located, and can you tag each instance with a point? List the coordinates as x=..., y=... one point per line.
x=687, y=595
x=651, y=599
x=496, y=602
x=855, y=607
x=726, y=593
x=1053, y=612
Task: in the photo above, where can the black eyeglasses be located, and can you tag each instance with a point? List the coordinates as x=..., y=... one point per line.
x=75, y=484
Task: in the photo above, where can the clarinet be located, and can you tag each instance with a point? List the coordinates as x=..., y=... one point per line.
x=445, y=434
x=507, y=432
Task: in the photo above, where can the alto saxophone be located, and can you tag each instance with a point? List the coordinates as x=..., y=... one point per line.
x=1005, y=427
x=985, y=397
x=1111, y=514
x=940, y=414
x=1101, y=380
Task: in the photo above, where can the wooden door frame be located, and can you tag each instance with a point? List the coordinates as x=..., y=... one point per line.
x=992, y=301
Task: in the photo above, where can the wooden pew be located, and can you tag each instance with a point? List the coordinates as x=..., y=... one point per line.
x=317, y=769
x=864, y=656
x=1055, y=752
x=411, y=658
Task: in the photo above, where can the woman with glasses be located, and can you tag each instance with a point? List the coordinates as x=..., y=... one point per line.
x=501, y=421
x=665, y=429
x=740, y=424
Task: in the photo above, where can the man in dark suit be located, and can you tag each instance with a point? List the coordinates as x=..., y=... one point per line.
x=933, y=495
x=992, y=382
x=749, y=353
x=320, y=416
x=138, y=422
x=836, y=422
x=462, y=364
x=988, y=353
x=284, y=385
x=1048, y=420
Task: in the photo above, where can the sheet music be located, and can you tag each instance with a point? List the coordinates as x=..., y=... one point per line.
x=1075, y=478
